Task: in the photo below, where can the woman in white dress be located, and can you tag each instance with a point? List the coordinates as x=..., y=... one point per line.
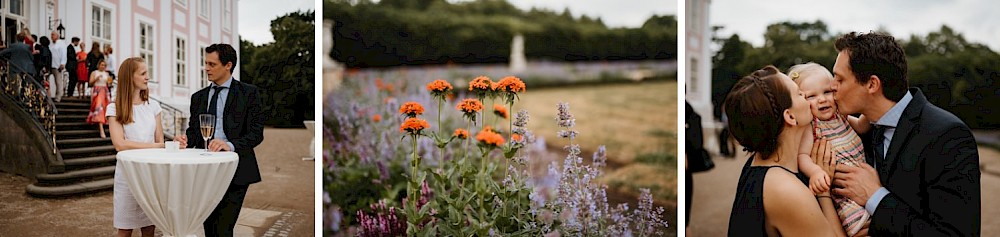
x=135, y=124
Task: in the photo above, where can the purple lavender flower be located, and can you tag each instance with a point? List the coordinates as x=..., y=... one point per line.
x=564, y=118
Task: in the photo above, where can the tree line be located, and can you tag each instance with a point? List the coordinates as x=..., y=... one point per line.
x=283, y=69
x=414, y=32
x=955, y=74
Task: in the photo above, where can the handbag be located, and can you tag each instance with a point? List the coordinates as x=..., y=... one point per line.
x=700, y=161
x=698, y=158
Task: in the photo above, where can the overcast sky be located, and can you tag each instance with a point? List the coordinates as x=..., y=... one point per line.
x=614, y=13
x=977, y=20
x=255, y=16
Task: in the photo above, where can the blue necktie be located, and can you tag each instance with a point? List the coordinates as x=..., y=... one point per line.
x=214, y=103
x=878, y=138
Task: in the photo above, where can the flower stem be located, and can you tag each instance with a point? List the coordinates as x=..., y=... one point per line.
x=440, y=127
x=414, y=163
x=465, y=154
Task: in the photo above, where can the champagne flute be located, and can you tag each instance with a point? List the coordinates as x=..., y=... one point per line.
x=207, y=123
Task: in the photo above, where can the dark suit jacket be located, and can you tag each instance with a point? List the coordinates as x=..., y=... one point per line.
x=243, y=123
x=71, y=59
x=933, y=175
x=20, y=56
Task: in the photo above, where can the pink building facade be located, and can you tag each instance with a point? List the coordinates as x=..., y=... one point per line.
x=169, y=34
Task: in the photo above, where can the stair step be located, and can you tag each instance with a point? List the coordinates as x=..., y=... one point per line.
x=90, y=160
x=75, y=99
x=85, y=150
x=61, y=142
x=68, y=124
x=74, y=111
x=70, y=105
x=71, y=189
x=68, y=133
x=70, y=117
x=76, y=174
x=81, y=125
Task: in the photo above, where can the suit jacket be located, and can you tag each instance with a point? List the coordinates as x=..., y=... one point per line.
x=243, y=123
x=71, y=59
x=933, y=175
x=20, y=56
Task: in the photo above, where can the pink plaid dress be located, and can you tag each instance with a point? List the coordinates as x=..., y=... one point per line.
x=847, y=150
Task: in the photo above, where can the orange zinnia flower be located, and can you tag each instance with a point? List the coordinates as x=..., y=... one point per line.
x=510, y=84
x=411, y=109
x=499, y=110
x=439, y=86
x=470, y=106
x=489, y=138
x=461, y=133
x=480, y=83
x=377, y=118
x=413, y=125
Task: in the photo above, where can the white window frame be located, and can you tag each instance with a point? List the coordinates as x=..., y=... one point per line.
x=227, y=14
x=147, y=50
x=204, y=75
x=183, y=3
x=101, y=24
x=204, y=9
x=180, y=64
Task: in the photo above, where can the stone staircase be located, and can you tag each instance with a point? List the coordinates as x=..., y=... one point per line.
x=89, y=159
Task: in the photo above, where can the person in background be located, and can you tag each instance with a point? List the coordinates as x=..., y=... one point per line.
x=100, y=97
x=95, y=56
x=109, y=58
x=20, y=57
x=43, y=62
x=58, y=50
x=82, y=72
x=71, y=64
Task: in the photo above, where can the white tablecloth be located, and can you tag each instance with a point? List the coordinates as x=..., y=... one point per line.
x=178, y=189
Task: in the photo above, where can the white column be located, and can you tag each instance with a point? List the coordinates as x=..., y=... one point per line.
x=235, y=30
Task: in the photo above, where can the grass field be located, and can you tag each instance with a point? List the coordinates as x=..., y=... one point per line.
x=636, y=122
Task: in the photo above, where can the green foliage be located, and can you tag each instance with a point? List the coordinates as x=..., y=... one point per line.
x=284, y=69
x=400, y=32
x=473, y=202
x=364, y=183
x=954, y=74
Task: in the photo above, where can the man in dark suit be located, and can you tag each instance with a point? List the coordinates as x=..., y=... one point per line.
x=239, y=127
x=71, y=66
x=922, y=176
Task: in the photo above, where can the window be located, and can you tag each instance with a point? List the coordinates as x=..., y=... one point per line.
x=204, y=75
x=17, y=7
x=227, y=14
x=183, y=3
x=100, y=27
x=181, y=62
x=203, y=10
x=146, y=48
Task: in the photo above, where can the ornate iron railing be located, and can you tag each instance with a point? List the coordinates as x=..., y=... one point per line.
x=173, y=120
x=31, y=96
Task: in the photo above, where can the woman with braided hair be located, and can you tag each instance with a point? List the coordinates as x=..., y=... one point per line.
x=767, y=116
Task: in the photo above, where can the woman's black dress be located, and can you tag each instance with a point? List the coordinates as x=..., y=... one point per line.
x=747, y=217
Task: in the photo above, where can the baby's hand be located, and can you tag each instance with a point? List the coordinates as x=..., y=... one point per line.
x=819, y=184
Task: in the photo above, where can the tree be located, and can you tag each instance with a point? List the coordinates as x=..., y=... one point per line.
x=724, y=72
x=284, y=70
